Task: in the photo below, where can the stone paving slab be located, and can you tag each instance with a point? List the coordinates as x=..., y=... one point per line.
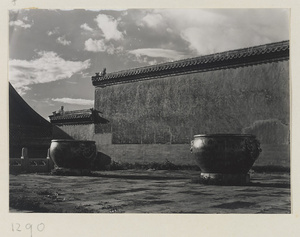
x=139, y=191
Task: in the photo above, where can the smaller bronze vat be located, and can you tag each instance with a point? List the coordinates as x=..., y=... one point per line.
x=73, y=154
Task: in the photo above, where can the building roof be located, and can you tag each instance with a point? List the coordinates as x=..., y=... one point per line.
x=267, y=53
x=86, y=116
x=26, y=126
x=20, y=113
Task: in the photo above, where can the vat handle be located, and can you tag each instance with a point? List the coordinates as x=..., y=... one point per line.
x=192, y=145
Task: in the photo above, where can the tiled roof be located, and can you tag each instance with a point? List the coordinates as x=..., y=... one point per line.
x=77, y=117
x=229, y=59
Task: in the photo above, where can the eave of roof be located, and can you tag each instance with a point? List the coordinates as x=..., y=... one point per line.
x=88, y=116
x=235, y=58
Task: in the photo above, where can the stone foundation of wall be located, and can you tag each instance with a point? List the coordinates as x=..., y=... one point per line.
x=179, y=154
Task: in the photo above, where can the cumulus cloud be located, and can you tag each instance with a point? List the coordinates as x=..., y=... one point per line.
x=62, y=40
x=153, y=20
x=86, y=27
x=19, y=23
x=46, y=68
x=94, y=45
x=109, y=27
x=101, y=46
x=214, y=30
x=157, y=53
x=74, y=101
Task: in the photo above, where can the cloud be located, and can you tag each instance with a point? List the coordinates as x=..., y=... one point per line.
x=109, y=27
x=101, y=46
x=74, y=101
x=19, y=23
x=153, y=20
x=62, y=40
x=94, y=45
x=86, y=27
x=53, y=32
x=214, y=30
x=47, y=68
x=157, y=53
x=194, y=35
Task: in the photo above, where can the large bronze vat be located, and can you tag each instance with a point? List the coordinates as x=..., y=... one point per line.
x=225, y=156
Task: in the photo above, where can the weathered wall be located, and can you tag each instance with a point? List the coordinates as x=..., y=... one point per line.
x=77, y=132
x=172, y=109
x=82, y=132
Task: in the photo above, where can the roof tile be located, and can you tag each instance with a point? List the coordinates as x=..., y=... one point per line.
x=255, y=55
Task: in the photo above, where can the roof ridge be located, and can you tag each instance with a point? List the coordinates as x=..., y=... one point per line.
x=195, y=64
x=77, y=111
x=197, y=57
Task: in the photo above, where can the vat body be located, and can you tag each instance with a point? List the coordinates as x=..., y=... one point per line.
x=73, y=154
x=225, y=156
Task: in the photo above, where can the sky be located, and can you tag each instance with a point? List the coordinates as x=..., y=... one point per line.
x=54, y=53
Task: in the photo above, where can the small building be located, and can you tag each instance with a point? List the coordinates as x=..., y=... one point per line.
x=77, y=124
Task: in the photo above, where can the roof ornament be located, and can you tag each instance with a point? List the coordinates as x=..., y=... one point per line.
x=103, y=72
x=99, y=74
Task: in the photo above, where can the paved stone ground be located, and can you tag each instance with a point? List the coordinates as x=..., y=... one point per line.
x=141, y=191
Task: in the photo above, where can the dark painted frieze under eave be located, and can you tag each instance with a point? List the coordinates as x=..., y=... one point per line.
x=268, y=53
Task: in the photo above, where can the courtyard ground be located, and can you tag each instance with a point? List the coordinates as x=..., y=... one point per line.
x=147, y=191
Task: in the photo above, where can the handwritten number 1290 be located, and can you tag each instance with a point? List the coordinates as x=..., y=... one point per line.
x=17, y=227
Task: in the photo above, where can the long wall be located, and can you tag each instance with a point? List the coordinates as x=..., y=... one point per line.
x=162, y=115
x=173, y=109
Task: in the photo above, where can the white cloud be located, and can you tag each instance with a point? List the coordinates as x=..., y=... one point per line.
x=84, y=74
x=47, y=68
x=152, y=62
x=153, y=20
x=101, y=46
x=109, y=27
x=214, y=30
x=157, y=53
x=86, y=27
x=62, y=40
x=194, y=35
x=53, y=32
x=94, y=45
x=74, y=101
x=19, y=23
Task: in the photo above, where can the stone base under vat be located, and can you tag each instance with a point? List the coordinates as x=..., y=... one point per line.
x=70, y=172
x=224, y=179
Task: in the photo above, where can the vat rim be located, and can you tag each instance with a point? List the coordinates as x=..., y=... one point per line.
x=224, y=135
x=70, y=140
